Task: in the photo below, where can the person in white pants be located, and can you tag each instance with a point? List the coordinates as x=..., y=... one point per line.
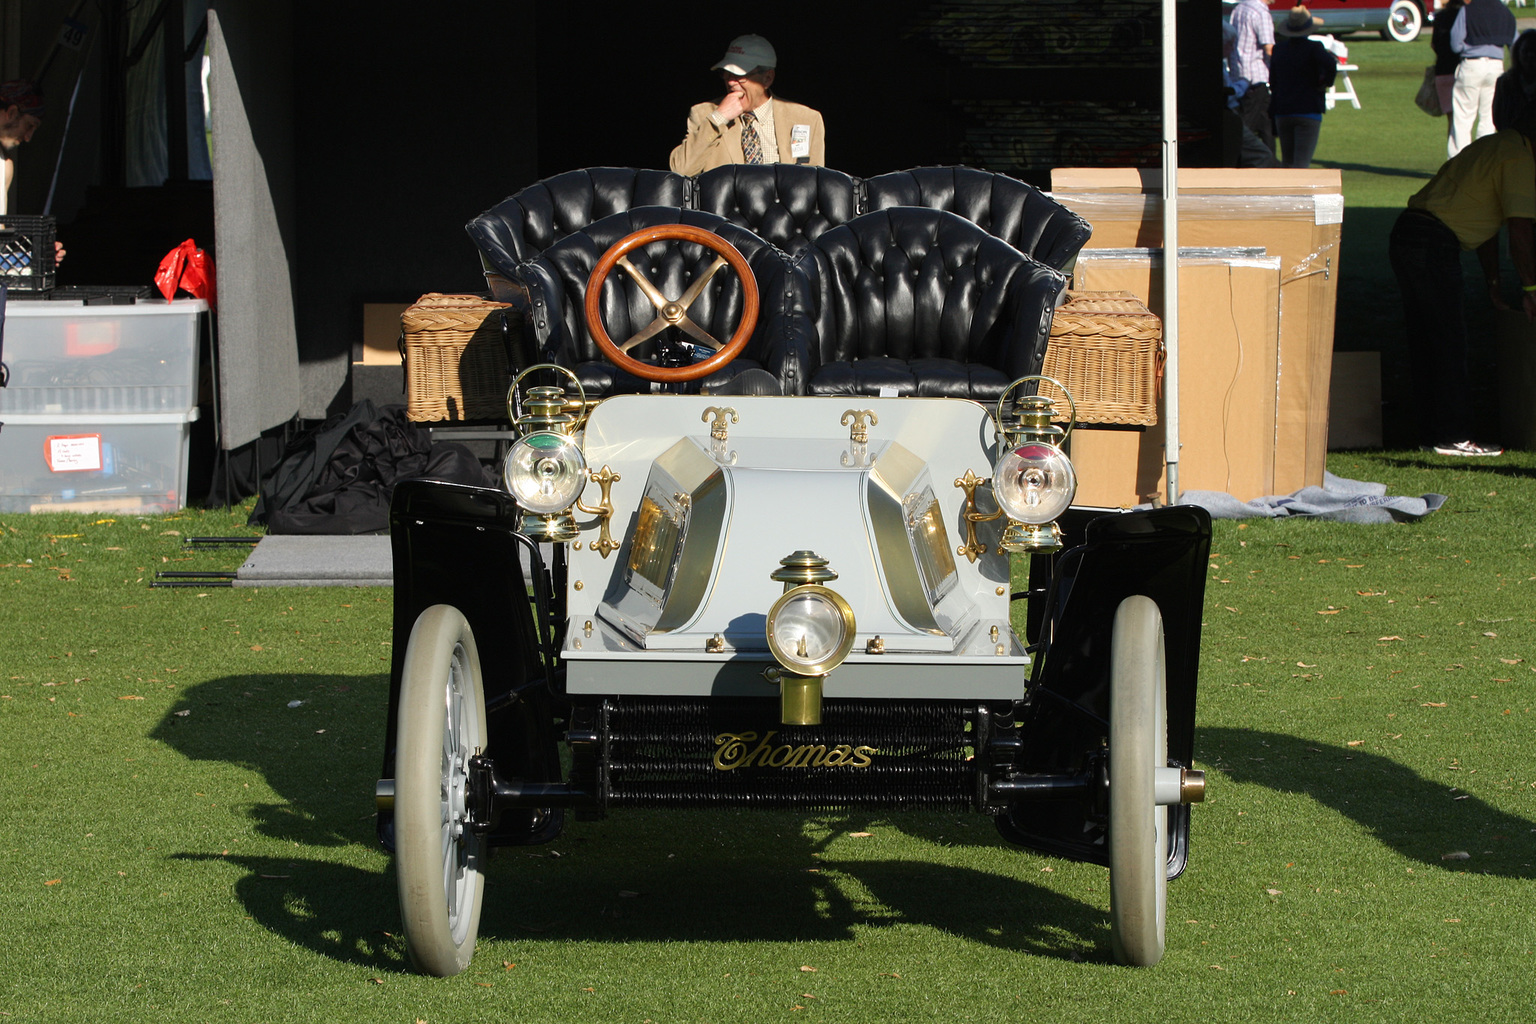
x=1481, y=31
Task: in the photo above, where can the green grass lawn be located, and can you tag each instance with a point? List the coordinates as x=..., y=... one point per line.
x=186, y=828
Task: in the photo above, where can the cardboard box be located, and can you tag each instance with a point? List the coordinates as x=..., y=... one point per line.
x=381, y=333
x=1228, y=361
x=1293, y=214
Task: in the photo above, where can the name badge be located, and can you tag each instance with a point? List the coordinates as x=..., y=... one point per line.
x=800, y=140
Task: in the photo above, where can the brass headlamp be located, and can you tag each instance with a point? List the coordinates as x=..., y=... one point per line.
x=810, y=631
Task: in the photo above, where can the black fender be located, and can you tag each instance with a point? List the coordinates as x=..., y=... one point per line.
x=459, y=545
x=1164, y=554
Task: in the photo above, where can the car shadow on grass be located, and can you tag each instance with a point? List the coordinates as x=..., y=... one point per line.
x=314, y=739
x=741, y=890
x=1419, y=818
x=731, y=894
x=723, y=875
x=339, y=911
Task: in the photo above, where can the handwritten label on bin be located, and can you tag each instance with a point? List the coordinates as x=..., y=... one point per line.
x=73, y=453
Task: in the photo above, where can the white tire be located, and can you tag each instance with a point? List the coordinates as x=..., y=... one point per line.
x=441, y=725
x=1138, y=744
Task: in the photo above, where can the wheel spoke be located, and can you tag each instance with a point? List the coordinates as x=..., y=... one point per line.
x=697, y=288
x=644, y=283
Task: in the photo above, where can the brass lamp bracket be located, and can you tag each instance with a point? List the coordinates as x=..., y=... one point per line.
x=973, y=548
x=605, y=544
x=717, y=418
x=861, y=419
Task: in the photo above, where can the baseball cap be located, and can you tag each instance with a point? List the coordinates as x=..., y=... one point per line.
x=745, y=53
x=22, y=94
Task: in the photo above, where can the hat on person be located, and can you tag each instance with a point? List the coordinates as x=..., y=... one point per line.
x=747, y=53
x=22, y=94
x=1300, y=23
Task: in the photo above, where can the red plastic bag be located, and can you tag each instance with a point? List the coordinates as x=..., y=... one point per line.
x=188, y=268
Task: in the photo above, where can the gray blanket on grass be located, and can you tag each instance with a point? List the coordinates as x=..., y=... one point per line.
x=1345, y=501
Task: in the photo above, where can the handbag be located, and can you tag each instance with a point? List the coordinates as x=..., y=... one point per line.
x=1428, y=99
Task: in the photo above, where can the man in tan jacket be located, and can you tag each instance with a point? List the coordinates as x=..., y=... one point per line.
x=749, y=125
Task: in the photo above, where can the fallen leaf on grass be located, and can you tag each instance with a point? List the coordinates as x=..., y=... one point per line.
x=1389, y=638
x=1330, y=611
x=53, y=881
x=1456, y=855
x=1433, y=704
x=889, y=974
x=861, y=835
x=130, y=696
x=1355, y=743
x=808, y=970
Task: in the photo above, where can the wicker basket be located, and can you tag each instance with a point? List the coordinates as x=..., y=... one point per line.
x=1107, y=348
x=455, y=353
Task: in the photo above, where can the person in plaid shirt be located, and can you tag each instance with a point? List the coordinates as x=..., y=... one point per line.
x=1255, y=41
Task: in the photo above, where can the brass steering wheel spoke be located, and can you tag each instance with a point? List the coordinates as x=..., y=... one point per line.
x=645, y=334
x=644, y=284
x=698, y=333
x=697, y=288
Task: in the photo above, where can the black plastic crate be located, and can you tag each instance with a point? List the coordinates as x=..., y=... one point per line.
x=26, y=252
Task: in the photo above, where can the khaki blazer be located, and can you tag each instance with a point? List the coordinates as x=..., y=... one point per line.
x=706, y=145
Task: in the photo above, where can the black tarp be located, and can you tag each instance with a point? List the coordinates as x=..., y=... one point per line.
x=338, y=477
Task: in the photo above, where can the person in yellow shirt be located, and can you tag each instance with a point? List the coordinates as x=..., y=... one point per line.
x=1489, y=185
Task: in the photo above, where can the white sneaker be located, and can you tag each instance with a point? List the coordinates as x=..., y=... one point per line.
x=1467, y=448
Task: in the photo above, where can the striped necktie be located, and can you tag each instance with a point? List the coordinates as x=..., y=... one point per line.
x=751, y=145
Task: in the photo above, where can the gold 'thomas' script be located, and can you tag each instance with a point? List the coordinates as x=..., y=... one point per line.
x=736, y=750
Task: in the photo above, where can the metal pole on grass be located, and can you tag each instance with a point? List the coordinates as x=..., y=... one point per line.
x=1171, y=246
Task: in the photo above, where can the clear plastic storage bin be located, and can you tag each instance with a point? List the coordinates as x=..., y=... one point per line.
x=67, y=357
x=133, y=462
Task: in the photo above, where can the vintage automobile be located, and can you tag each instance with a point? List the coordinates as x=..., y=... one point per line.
x=1398, y=21
x=741, y=560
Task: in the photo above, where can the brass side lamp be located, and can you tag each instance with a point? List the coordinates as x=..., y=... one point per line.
x=545, y=470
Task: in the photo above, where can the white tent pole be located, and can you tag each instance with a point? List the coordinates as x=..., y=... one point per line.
x=1171, y=245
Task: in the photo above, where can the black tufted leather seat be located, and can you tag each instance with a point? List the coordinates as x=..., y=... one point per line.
x=922, y=302
x=1019, y=214
x=788, y=204
x=525, y=224
x=557, y=283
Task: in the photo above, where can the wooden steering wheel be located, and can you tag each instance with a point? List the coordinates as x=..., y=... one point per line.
x=671, y=312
